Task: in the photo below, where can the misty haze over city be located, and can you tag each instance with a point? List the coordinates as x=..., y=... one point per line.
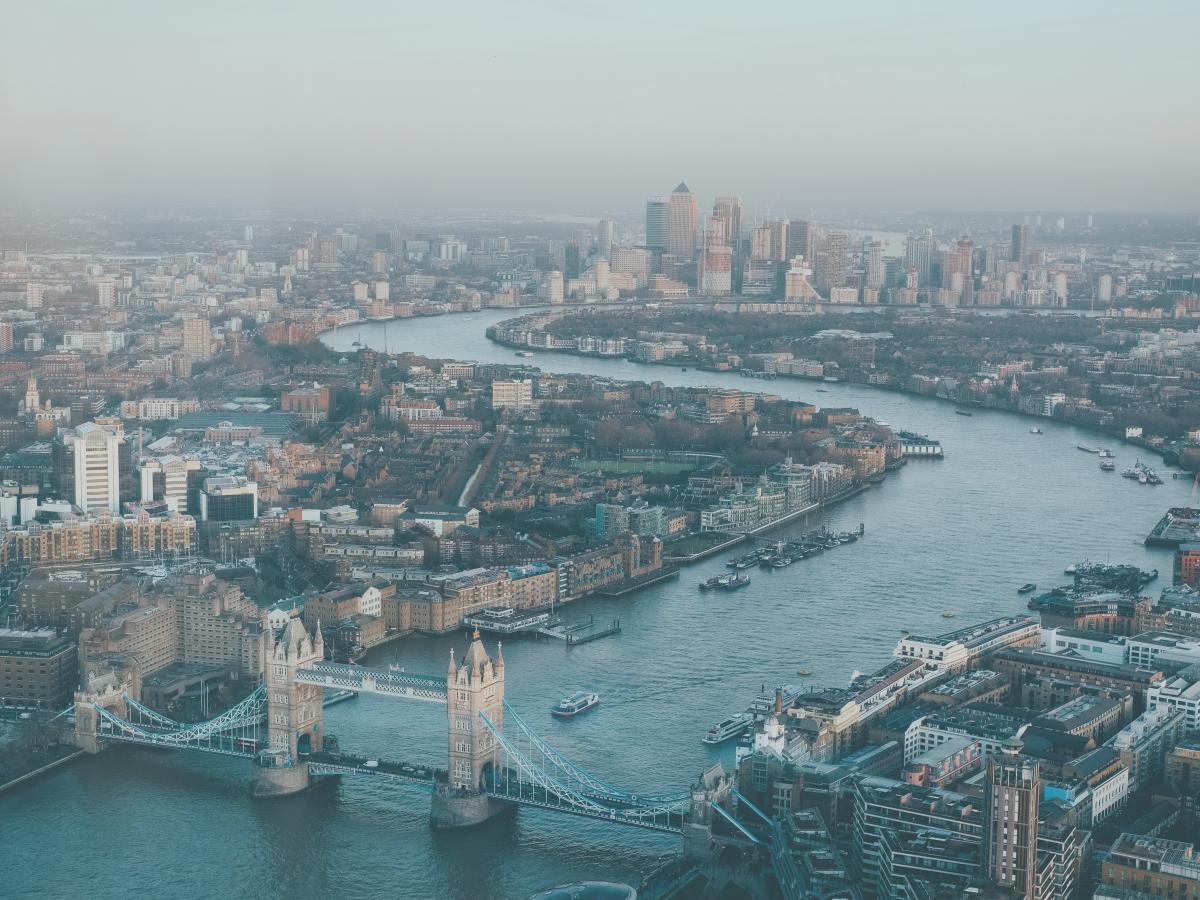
x=586, y=108
x=600, y=451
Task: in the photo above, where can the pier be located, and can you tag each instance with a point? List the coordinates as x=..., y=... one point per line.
x=542, y=623
x=629, y=585
x=509, y=621
x=580, y=632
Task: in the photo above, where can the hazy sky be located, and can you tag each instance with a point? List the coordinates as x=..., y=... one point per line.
x=591, y=106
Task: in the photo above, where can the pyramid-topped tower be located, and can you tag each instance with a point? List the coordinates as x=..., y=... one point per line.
x=474, y=686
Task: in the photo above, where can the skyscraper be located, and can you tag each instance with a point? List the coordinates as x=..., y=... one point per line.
x=831, y=261
x=729, y=211
x=1020, y=244
x=681, y=223
x=779, y=240
x=657, y=217
x=604, y=237
x=918, y=254
x=875, y=265
x=760, y=242
x=958, y=261
x=716, y=266
x=97, y=468
x=801, y=240
x=1014, y=791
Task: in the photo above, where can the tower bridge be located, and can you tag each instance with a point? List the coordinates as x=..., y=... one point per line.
x=494, y=759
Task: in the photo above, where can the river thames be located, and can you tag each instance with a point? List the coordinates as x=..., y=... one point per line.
x=1004, y=507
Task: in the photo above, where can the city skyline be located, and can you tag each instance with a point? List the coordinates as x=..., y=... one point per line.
x=911, y=109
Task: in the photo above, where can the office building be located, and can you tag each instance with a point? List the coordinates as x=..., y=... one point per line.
x=801, y=240
x=777, y=240
x=965, y=648
x=657, y=219
x=728, y=211
x=796, y=283
x=166, y=479
x=1019, y=251
x=97, y=468
x=605, y=231
x=681, y=223
x=228, y=498
x=1148, y=866
x=37, y=668
x=632, y=261
x=1180, y=693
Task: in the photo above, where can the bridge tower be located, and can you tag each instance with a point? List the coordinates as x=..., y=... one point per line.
x=106, y=691
x=295, y=712
x=475, y=686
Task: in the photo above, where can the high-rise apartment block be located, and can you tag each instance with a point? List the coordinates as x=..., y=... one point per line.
x=1014, y=790
x=516, y=393
x=197, y=340
x=832, y=261
x=97, y=468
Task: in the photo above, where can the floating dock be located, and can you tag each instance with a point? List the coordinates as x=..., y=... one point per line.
x=580, y=632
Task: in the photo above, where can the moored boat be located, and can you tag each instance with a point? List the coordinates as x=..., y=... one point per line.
x=578, y=702
x=728, y=728
x=725, y=582
x=1027, y=588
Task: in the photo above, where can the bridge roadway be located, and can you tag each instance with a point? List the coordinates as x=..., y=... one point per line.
x=509, y=788
x=390, y=770
x=222, y=743
x=388, y=682
x=530, y=793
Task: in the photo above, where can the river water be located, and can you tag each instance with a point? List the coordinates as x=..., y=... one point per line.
x=1003, y=508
